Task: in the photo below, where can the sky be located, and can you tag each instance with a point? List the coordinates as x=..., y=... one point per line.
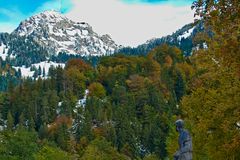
x=128, y=22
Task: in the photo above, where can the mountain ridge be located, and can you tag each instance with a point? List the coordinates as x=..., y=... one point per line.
x=182, y=38
x=57, y=33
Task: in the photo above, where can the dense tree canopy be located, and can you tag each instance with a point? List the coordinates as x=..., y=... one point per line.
x=129, y=101
x=125, y=106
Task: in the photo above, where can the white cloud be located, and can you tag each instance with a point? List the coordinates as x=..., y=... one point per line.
x=7, y=27
x=130, y=24
x=59, y=5
x=49, y=5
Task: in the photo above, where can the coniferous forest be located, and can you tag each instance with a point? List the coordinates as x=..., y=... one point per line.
x=125, y=107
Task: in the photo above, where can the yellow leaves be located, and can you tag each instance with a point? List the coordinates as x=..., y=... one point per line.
x=78, y=64
x=104, y=72
x=75, y=80
x=223, y=19
x=100, y=149
x=135, y=83
x=74, y=72
x=213, y=110
x=166, y=55
x=187, y=70
x=214, y=14
x=168, y=61
x=52, y=128
x=98, y=132
x=152, y=69
x=97, y=90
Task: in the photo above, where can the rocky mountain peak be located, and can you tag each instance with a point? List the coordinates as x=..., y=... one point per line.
x=57, y=33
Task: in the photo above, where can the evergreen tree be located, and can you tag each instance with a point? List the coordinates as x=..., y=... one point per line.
x=63, y=137
x=31, y=124
x=39, y=71
x=44, y=72
x=10, y=121
x=43, y=132
x=179, y=87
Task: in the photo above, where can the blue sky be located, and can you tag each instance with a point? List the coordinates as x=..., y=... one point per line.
x=12, y=12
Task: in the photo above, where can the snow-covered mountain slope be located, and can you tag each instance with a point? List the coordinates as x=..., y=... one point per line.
x=57, y=33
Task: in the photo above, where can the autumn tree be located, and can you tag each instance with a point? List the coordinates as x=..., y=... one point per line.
x=212, y=109
x=97, y=90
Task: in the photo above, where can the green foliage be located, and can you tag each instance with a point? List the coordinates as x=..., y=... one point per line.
x=132, y=102
x=129, y=101
x=100, y=149
x=172, y=138
x=10, y=121
x=151, y=157
x=20, y=144
x=76, y=81
x=51, y=153
x=211, y=110
x=213, y=115
x=62, y=137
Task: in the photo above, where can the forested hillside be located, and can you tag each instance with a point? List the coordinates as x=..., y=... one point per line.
x=125, y=106
x=130, y=100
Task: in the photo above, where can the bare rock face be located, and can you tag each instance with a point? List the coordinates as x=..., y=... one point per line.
x=56, y=33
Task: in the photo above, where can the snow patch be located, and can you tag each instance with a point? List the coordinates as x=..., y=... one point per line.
x=26, y=72
x=186, y=34
x=205, y=46
x=85, y=32
x=82, y=102
x=70, y=32
x=3, y=51
x=45, y=65
x=238, y=125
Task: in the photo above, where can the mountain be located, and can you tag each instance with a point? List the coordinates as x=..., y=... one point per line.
x=57, y=33
x=50, y=33
x=182, y=38
x=50, y=39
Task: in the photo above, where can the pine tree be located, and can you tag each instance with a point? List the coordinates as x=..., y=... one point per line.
x=22, y=122
x=10, y=121
x=62, y=137
x=35, y=74
x=39, y=71
x=42, y=132
x=44, y=72
x=31, y=124
x=179, y=87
